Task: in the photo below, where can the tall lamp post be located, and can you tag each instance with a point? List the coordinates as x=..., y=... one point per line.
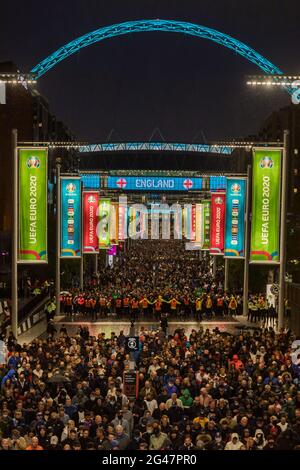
x=14, y=266
x=58, y=235
x=283, y=211
x=291, y=83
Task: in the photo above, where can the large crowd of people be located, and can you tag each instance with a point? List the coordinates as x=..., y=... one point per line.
x=204, y=391
x=161, y=277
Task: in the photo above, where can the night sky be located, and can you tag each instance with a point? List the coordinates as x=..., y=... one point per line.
x=124, y=88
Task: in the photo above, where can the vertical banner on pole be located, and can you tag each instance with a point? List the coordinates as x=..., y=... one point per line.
x=132, y=226
x=32, y=246
x=235, y=218
x=217, y=223
x=122, y=222
x=70, y=217
x=90, y=222
x=265, y=223
x=113, y=223
x=206, y=224
x=187, y=221
x=199, y=224
x=193, y=222
x=103, y=224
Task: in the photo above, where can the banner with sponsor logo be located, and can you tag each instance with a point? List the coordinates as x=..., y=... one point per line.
x=199, y=225
x=32, y=165
x=103, y=224
x=122, y=222
x=217, y=223
x=70, y=217
x=206, y=224
x=265, y=223
x=113, y=223
x=235, y=218
x=90, y=222
x=187, y=221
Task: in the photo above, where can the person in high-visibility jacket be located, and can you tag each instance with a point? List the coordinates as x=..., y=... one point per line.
x=144, y=303
x=118, y=305
x=69, y=304
x=187, y=305
x=208, y=306
x=220, y=305
x=81, y=303
x=134, y=308
x=93, y=308
x=173, y=304
x=232, y=306
x=157, y=307
x=126, y=302
x=102, y=303
x=198, y=308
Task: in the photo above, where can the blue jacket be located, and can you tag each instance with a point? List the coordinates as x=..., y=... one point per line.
x=10, y=374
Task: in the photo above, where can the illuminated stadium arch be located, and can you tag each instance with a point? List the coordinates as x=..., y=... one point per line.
x=172, y=26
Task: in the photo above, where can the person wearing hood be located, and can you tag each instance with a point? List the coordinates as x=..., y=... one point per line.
x=234, y=443
x=259, y=438
x=186, y=398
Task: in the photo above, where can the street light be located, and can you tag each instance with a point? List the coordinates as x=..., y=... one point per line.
x=292, y=81
x=270, y=80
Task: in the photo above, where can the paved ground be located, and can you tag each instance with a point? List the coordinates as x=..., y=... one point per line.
x=109, y=325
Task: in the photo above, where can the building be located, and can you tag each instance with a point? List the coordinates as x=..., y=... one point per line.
x=272, y=130
x=22, y=107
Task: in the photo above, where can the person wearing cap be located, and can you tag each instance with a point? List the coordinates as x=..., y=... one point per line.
x=54, y=444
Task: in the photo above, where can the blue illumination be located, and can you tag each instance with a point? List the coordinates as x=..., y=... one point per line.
x=90, y=181
x=156, y=147
x=182, y=27
x=153, y=183
x=217, y=182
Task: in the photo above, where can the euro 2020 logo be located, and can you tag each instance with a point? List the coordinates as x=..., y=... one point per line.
x=71, y=188
x=33, y=162
x=266, y=163
x=219, y=201
x=132, y=343
x=235, y=188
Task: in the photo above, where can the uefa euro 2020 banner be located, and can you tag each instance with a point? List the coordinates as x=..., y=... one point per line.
x=90, y=221
x=70, y=217
x=32, y=166
x=235, y=218
x=217, y=223
x=206, y=225
x=265, y=224
x=104, y=224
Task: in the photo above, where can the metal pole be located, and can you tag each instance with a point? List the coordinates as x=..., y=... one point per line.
x=214, y=266
x=81, y=272
x=247, y=244
x=96, y=263
x=58, y=235
x=283, y=230
x=226, y=274
x=14, y=269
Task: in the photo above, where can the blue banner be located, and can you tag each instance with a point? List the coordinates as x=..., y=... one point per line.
x=235, y=217
x=217, y=183
x=70, y=218
x=153, y=183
